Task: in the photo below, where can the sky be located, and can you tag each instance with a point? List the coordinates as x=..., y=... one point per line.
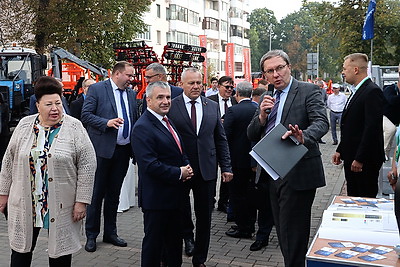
x=281, y=8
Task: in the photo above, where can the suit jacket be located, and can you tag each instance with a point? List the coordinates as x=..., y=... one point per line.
x=304, y=107
x=237, y=118
x=209, y=148
x=98, y=108
x=76, y=107
x=175, y=91
x=159, y=160
x=361, y=126
x=33, y=109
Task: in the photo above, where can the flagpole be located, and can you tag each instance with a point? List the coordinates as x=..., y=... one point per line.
x=372, y=44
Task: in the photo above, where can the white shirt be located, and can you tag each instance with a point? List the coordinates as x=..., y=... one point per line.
x=221, y=104
x=211, y=91
x=117, y=96
x=354, y=90
x=199, y=110
x=337, y=102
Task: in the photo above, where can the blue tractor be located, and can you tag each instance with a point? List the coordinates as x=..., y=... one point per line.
x=19, y=68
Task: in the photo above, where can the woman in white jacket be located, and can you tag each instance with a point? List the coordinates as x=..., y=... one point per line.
x=46, y=179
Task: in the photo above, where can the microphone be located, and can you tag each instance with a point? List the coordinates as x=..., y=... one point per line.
x=270, y=92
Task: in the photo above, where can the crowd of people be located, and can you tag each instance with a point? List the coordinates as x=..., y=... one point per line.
x=67, y=163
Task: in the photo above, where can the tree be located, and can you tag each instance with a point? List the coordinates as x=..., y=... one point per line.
x=86, y=27
x=262, y=23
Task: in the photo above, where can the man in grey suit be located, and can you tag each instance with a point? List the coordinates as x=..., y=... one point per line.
x=199, y=124
x=109, y=113
x=299, y=107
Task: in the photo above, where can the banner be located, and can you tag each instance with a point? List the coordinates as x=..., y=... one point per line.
x=368, y=28
x=246, y=64
x=203, y=43
x=230, y=62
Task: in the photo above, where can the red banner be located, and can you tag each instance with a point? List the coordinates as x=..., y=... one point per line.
x=203, y=43
x=230, y=62
x=246, y=64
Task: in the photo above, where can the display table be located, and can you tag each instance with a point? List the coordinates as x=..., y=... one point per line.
x=356, y=232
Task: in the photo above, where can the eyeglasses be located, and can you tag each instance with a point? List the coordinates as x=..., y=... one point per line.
x=277, y=69
x=228, y=87
x=151, y=76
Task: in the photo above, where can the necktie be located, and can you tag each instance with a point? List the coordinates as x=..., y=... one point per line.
x=125, y=130
x=272, y=115
x=173, y=133
x=225, y=104
x=193, y=115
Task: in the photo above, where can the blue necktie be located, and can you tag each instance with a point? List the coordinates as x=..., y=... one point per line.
x=125, y=130
x=274, y=111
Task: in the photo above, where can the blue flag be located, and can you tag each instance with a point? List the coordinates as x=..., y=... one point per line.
x=368, y=28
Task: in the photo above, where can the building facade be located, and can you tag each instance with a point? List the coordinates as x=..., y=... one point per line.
x=221, y=22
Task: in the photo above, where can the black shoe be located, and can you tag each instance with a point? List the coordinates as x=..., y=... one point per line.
x=223, y=208
x=237, y=234
x=189, y=246
x=115, y=240
x=321, y=142
x=90, y=245
x=335, y=143
x=234, y=227
x=258, y=244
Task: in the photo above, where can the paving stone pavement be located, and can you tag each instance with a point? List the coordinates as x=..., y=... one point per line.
x=224, y=250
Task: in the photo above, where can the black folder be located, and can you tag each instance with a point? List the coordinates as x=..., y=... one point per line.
x=278, y=154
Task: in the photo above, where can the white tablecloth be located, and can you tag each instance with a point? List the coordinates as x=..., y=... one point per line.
x=127, y=198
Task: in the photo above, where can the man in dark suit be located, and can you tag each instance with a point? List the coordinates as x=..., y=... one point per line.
x=76, y=105
x=225, y=100
x=242, y=189
x=299, y=107
x=109, y=113
x=361, y=142
x=32, y=102
x=163, y=167
x=198, y=121
x=156, y=72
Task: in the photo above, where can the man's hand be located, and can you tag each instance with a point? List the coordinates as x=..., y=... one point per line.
x=79, y=211
x=295, y=132
x=116, y=123
x=226, y=177
x=356, y=166
x=392, y=177
x=267, y=103
x=336, y=158
x=187, y=173
x=3, y=202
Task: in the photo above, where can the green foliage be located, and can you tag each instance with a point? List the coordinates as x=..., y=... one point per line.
x=85, y=27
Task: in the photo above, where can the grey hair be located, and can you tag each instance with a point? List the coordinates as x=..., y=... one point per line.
x=271, y=54
x=157, y=68
x=150, y=87
x=244, y=89
x=191, y=69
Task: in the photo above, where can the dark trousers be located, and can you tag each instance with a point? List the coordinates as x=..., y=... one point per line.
x=223, y=194
x=239, y=189
x=292, y=215
x=25, y=259
x=108, y=181
x=362, y=184
x=261, y=206
x=162, y=239
x=335, y=117
x=203, y=194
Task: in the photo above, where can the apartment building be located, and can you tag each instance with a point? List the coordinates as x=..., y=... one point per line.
x=217, y=22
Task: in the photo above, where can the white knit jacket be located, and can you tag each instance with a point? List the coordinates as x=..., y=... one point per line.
x=71, y=168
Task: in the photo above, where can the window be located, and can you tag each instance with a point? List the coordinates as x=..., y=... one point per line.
x=212, y=5
x=222, y=65
x=158, y=37
x=238, y=66
x=210, y=24
x=158, y=11
x=238, y=49
x=146, y=35
x=236, y=31
x=193, y=17
x=224, y=26
x=181, y=37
